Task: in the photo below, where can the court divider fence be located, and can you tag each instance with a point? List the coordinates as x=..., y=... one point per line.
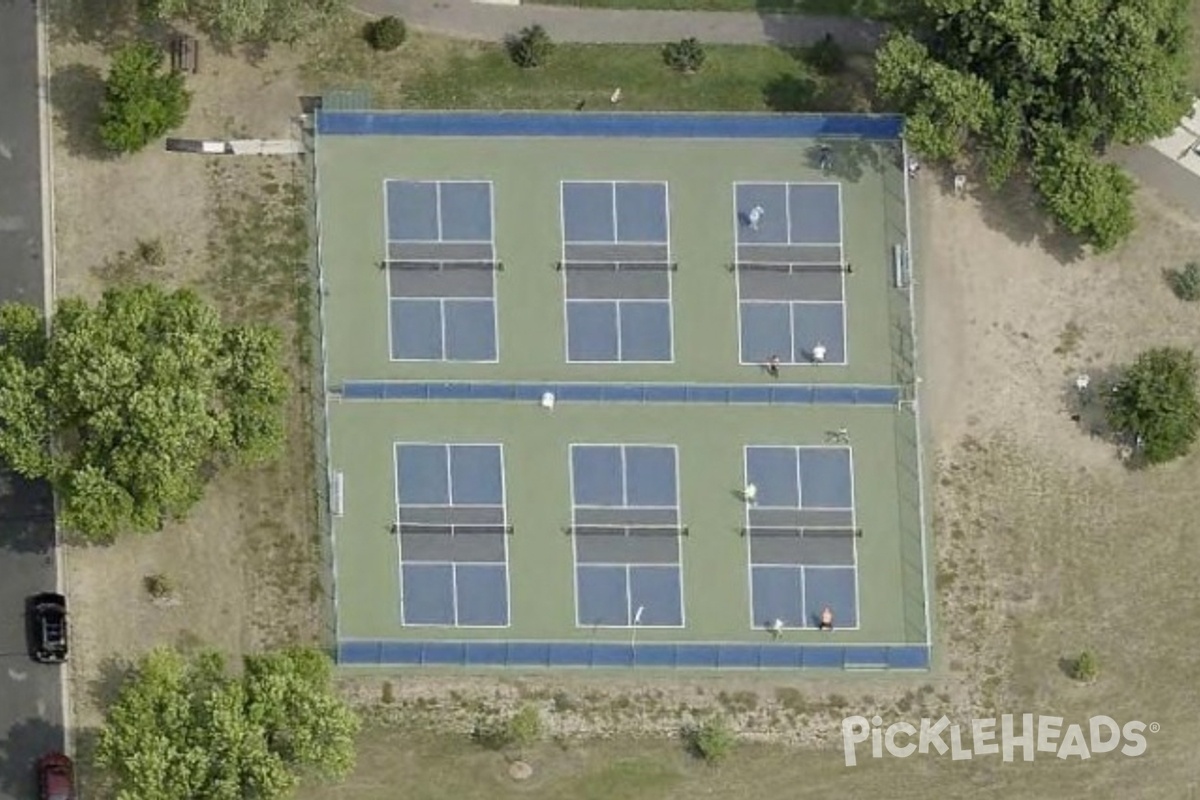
x=736, y=394
x=672, y=125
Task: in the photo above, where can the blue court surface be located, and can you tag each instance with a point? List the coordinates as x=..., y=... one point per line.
x=441, y=265
x=802, y=536
x=790, y=273
x=626, y=531
x=453, y=535
x=616, y=265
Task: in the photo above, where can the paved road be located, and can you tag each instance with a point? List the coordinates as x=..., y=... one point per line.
x=31, y=713
x=463, y=19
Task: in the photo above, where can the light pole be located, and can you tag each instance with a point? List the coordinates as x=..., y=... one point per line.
x=637, y=619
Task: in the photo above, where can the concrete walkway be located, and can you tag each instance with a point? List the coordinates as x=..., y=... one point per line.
x=463, y=19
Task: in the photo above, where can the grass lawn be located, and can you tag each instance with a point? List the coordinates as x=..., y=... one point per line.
x=872, y=9
x=431, y=72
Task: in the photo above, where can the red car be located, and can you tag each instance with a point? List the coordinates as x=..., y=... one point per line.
x=56, y=777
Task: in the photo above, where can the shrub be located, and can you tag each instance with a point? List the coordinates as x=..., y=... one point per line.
x=530, y=48
x=710, y=741
x=151, y=252
x=1084, y=667
x=141, y=102
x=519, y=731
x=1185, y=283
x=686, y=55
x=1154, y=403
x=826, y=56
x=159, y=586
x=386, y=33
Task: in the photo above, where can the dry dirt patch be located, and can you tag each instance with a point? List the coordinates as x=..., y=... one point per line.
x=243, y=567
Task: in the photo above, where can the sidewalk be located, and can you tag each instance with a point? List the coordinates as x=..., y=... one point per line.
x=462, y=19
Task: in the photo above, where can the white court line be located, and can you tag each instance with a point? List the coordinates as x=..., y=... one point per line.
x=670, y=276
x=449, y=448
x=801, y=568
x=842, y=253
x=615, y=221
x=437, y=208
x=737, y=275
x=617, y=324
x=787, y=210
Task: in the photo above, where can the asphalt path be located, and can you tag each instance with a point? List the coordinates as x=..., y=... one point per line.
x=31, y=712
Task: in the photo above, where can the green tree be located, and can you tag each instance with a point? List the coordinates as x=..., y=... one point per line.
x=1087, y=72
x=247, y=20
x=1155, y=402
x=141, y=101
x=186, y=728
x=139, y=395
x=946, y=107
x=1088, y=197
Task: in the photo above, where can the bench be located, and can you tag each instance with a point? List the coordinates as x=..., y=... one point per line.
x=185, y=54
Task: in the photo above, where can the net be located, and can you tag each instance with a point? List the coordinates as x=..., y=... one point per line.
x=624, y=266
x=451, y=529
x=445, y=266
x=627, y=530
x=802, y=533
x=760, y=266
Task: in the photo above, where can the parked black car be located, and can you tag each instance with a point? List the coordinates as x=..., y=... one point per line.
x=48, y=627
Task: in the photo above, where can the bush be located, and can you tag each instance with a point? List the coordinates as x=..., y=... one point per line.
x=1154, y=403
x=141, y=102
x=686, y=55
x=385, y=33
x=530, y=48
x=826, y=56
x=519, y=731
x=1084, y=667
x=710, y=741
x=159, y=586
x=387, y=693
x=1185, y=283
x=151, y=252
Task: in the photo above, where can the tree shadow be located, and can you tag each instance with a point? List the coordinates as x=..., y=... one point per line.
x=845, y=159
x=103, y=23
x=76, y=92
x=1086, y=407
x=829, y=77
x=91, y=780
x=1015, y=210
x=784, y=29
x=23, y=744
x=104, y=689
x=26, y=514
x=790, y=93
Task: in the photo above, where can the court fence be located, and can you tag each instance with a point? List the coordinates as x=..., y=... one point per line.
x=910, y=468
x=315, y=338
x=377, y=653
